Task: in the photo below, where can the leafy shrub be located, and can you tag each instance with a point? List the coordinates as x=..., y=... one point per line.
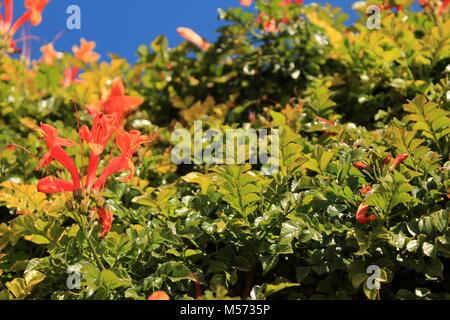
x=363, y=176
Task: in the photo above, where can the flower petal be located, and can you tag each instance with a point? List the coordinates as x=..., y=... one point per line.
x=115, y=165
x=106, y=218
x=52, y=185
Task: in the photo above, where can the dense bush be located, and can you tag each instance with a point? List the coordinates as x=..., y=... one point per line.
x=363, y=177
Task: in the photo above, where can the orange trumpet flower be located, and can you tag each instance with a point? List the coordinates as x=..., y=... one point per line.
x=55, y=152
x=35, y=8
x=194, y=38
x=106, y=218
x=117, y=103
x=361, y=214
x=85, y=52
x=128, y=143
x=49, y=54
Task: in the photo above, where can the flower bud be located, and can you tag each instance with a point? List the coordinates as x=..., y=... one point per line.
x=77, y=195
x=85, y=204
x=69, y=205
x=360, y=165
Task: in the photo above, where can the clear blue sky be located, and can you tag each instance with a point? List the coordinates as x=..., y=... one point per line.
x=121, y=26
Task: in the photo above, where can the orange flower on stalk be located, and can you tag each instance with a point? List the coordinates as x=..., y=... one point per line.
x=128, y=143
x=85, y=52
x=35, y=7
x=361, y=214
x=159, y=295
x=97, y=137
x=55, y=152
x=102, y=130
x=49, y=54
x=191, y=36
x=246, y=3
x=117, y=103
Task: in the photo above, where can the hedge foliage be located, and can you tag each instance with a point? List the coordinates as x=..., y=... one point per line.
x=363, y=180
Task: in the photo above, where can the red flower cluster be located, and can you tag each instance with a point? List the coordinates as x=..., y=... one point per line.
x=33, y=14
x=96, y=138
x=103, y=128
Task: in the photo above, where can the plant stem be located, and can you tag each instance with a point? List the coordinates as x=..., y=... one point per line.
x=91, y=245
x=94, y=252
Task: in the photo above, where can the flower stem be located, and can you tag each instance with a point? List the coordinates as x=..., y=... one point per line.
x=91, y=245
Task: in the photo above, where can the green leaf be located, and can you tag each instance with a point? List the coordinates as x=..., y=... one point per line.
x=18, y=288
x=268, y=262
x=111, y=281
x=279, y=119
x=427, y=117
x=239, y=188
x=358, y=279
x=175, y=271
x=392, y=191
x=270, y=289
x=371, y=294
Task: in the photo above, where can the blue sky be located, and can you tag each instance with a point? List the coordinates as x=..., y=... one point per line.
x=121, y=26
